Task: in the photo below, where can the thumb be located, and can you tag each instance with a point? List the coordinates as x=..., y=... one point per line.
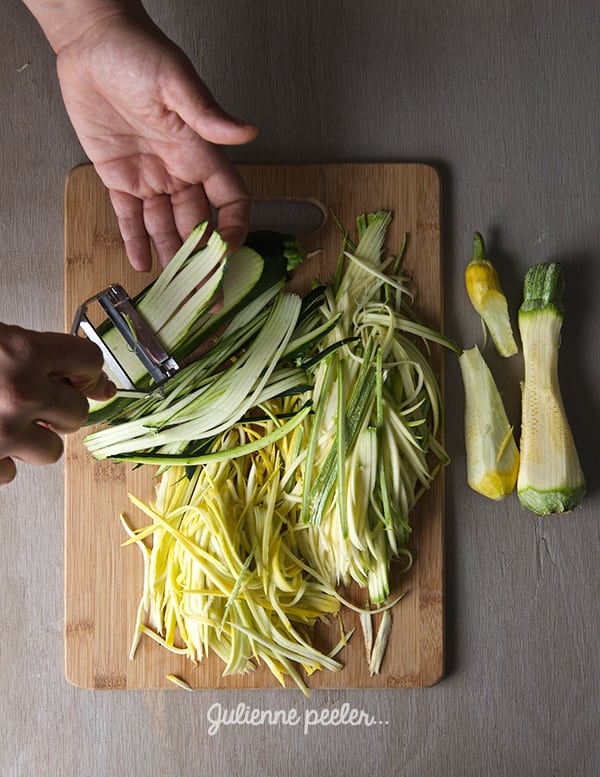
x=100, y=388
x=8, y=471
x=193, y=101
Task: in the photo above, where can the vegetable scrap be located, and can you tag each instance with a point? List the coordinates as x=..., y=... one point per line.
x=550, y=476
x=488, y=299
x=545, y=468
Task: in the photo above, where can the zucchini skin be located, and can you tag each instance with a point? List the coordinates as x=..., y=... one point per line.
x=544, y=287
x=551, y=502
x=275, y=246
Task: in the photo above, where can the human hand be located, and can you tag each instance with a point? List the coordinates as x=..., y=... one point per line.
x=154, y=133
x=45, y=378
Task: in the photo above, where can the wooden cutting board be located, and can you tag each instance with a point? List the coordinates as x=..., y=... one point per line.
x=103, y=581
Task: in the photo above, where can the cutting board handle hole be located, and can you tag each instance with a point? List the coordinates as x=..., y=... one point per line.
x=292, y=216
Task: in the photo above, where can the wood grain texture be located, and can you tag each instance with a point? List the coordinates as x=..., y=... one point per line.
x=102, y=580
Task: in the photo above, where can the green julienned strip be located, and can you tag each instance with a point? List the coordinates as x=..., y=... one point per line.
x=213, y=407
x=222, y=454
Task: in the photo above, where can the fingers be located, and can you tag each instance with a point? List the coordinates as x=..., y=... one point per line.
x=233, y=223
x=38, y=445
x=227, y=193
x=189, y=97
x=169, y=220
x=30, y=360
x=44, y=381
x=99, y=389
x=130, y=215
x=150, y=220
x=190, y=207
x=73, y=364
x=160, y=223
x=8, y=471
x=212, y=123
x=162, y=219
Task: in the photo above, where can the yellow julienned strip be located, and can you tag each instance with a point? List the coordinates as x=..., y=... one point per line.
x=228, y=580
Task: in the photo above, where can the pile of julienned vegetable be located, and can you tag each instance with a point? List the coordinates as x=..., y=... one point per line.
x=546, y=470
x=291, y=452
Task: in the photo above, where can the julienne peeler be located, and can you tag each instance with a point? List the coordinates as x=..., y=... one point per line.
x=119, y=308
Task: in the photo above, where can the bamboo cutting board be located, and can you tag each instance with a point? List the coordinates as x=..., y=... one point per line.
x=103, y=581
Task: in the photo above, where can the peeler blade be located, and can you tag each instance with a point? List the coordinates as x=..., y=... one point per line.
x=120, y=310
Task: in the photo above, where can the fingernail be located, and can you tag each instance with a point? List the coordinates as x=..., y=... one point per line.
x=110, y=389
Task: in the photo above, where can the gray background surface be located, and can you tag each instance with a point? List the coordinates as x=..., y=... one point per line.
x=503, y=97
